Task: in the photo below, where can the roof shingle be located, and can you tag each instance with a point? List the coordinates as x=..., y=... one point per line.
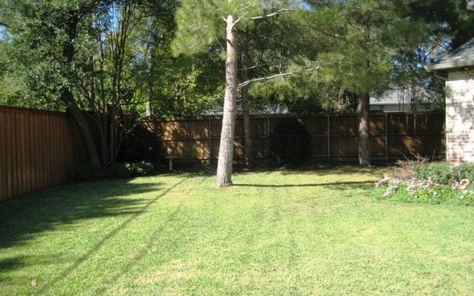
x=458, y=58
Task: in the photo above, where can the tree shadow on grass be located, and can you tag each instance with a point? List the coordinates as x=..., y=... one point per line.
x=338, y=170
x=333, y=185
x=31, y=214
x=26, y=217
x=27, y=262
x=10, y=263
x=140, y=210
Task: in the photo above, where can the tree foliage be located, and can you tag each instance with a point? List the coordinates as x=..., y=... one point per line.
x=101, y=60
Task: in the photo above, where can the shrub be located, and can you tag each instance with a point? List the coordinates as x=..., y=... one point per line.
x=464, y=171
x=127, y=170
x=440, y=172
x=404, y=169
x=290, y=143
x=140, y=145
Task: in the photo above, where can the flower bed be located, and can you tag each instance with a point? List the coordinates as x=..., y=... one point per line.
x=428, y=183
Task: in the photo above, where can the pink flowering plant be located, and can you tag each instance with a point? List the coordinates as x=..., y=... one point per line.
x=442, y=187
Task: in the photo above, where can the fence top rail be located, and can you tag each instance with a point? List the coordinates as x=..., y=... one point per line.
x=219, y=117
x=289, y=115
x=30, y=110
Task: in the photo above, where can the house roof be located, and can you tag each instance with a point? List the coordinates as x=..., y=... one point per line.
x=458, y=58
x=398, y=95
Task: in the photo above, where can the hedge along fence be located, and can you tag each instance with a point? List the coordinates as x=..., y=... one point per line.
x=334, y=137
x=37, y=149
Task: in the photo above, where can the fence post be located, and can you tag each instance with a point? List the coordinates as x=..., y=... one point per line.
x=328, y=132
x=267, y=146
x=414, y=125
x=386, y=137
x=209, y=139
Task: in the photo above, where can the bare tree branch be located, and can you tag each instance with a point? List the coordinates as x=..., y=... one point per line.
x=266, y=78
x=325, y=32
x=271, y=14
x=255, y=66
x=235, y=22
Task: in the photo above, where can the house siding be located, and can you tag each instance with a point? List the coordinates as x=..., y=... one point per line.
x=460, y=116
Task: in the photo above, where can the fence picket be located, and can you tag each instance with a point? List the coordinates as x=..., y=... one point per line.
x=334, y=136
x=37, y=149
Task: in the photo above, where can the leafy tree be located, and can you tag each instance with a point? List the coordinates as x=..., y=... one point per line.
x=12, y=86
x=46, y=37
x=175, y=85
x=102, y=61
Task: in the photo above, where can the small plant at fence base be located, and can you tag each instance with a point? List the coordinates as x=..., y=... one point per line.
x=86, y=172
x=290, y=143
x=129, y=169
x=116, y=170
x=429, y=183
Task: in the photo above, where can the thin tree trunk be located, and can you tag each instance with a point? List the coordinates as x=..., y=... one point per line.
x=149, y=113
x=112, y=134
x=148, y=108
x=363, y=110
x=84, y=127
x=244, y=93
x=102, y=127
x=226, y=147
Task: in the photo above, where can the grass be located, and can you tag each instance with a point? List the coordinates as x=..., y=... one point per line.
x=273, y=233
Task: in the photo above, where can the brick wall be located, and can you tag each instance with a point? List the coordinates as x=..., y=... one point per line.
x=460, y=116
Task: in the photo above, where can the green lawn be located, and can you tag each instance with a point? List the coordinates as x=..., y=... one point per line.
x=273, y=233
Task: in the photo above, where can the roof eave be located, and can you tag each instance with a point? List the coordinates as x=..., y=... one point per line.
x=449, y=66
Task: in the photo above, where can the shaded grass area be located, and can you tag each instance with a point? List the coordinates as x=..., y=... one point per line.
x=273, y=233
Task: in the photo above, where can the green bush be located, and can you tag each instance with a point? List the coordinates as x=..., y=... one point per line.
x=290, y=143
x=443, y=172
x=129, y=169
x=464, y=171
x=440, y=172
x=140, y=145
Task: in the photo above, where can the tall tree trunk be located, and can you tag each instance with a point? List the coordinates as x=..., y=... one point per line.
x=244, y=93
x=84, y=128
x=363, y=111
x=226, y=147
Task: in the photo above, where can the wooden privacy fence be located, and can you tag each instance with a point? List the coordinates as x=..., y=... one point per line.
x=37, y=149
x=334, y=137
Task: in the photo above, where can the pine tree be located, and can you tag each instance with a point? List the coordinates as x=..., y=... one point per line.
x=359, y=51
x=200, y=24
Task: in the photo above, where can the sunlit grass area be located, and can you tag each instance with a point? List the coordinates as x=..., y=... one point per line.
x=273, y=233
